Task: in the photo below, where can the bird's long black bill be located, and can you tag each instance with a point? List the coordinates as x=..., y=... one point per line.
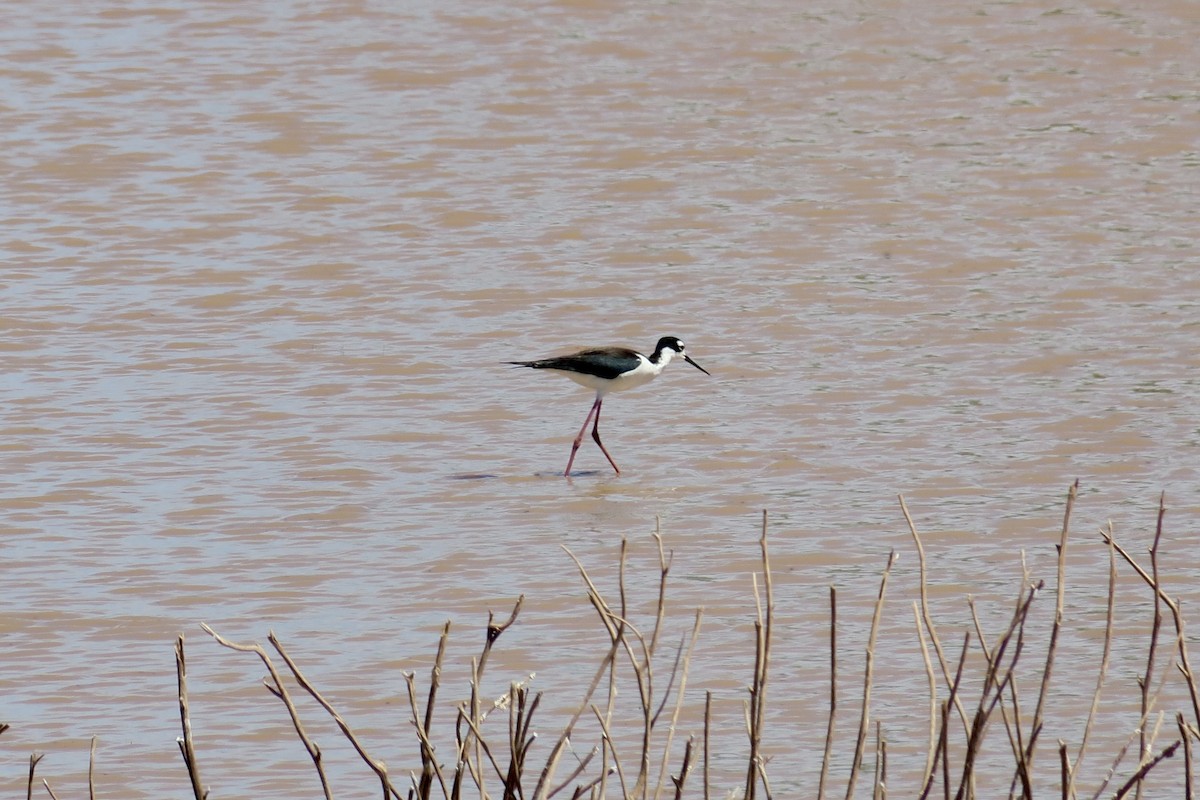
x=697, y=366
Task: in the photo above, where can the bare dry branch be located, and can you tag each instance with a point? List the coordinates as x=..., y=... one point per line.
x=1048, y=669
x=1137, y=777
x=932, y=679
x=1102, y=672
x=33, y=762
x=186, y=745
x=279, y=689
x=377, y=766
x=829, y=728
x=92, y=770
x=763, y=628
x=612, y=746
x=679, y=698
x=926, y=614
x=547, y=776
x=1184, y=666
x=869, y=674
x=1155, y=627
x=943, y=752
x=707, y=753
x=684, y=769
x=1186, y=736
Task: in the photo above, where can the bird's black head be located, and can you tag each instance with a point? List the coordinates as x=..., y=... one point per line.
x=676, y=347
x=668, y=343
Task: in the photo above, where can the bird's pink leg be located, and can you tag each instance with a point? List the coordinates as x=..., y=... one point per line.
x=579, y=438
x=596, y=436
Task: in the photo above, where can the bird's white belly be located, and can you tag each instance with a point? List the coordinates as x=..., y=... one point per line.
x=629, y=380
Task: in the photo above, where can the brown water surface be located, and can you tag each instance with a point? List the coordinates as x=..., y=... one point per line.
x=262, y=264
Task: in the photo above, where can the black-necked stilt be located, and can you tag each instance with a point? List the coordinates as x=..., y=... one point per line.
x=610, y=369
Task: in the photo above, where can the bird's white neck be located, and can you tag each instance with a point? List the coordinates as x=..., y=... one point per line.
x=661, y=359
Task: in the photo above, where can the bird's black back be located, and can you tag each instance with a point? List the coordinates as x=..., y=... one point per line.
x=603, y=362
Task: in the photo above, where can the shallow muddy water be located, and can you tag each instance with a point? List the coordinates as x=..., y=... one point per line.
x=263, y=264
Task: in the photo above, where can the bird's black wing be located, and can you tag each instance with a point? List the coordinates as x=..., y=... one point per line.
x=603, y=362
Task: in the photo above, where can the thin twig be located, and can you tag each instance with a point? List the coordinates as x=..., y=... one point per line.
x=1137, y=777
x=883, y=778
x=1184, y=666
x=1048, y=670
x=612, y=745
x=684, y=769
x=1021, y=774
x=1133, y=737
x=664, y=567
x=679, y=698
x=542, y=789
x=762, y=776
x=1155, y=627
x=429, y=763
x=877, y=782
x=478, y=734
x=1012, y=722
x=666, y=695
x=92, y=770
x=926, y=614
x=545, y=781
x=493, y=632
x=1014, y=727
x=943, y=751
x=707, y=729
x=279, y=689
x=864, y=719
x=1107, y=649
x=428, y=760
x=1185, y=735
x=579, y=768
x=34, y=758
x=1064, y=769
x=826, y=757
x=377, y=766
x=932, y=679
x=616, y=625
x=589, y=788
x=520, y=717
x=763, y=628
x=996, y=679
x=607, y=616
x=186, y=745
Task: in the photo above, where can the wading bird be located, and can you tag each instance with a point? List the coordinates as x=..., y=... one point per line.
x=610, y=369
